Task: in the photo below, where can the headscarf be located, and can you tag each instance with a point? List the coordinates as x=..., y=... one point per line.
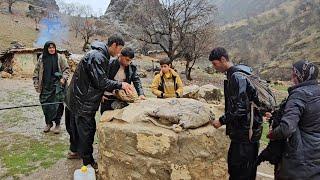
x=305, y=70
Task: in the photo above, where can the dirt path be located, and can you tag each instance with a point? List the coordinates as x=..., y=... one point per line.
x=25, y=148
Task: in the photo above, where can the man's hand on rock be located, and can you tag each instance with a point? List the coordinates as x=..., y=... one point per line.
x=128, y=88
x=142, y=97
x=216, y=123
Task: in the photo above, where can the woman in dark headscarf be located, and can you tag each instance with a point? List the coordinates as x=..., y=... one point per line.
x=50, y=77
x=300, y=125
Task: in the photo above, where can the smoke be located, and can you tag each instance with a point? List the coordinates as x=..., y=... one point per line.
x=52, y=28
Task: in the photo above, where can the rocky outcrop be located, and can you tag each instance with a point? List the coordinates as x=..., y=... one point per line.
x=140, y=142
x=207, y=93
x=121, y=10
x=48, y=4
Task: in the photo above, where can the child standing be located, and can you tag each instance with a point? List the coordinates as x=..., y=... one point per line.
x=167, y=84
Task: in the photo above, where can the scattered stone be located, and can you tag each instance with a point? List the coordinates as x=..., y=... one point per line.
x=209, y=70
x=5, y=75
x=210, y=93
x=207, y=93
x=142, y=74
x=191, y=91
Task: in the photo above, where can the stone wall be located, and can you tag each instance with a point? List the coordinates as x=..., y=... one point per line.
x=130, y=148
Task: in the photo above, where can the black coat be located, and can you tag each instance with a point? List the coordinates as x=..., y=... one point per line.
x=300, y=125
x=131, y=74
x=90, y=80
x=239, y=92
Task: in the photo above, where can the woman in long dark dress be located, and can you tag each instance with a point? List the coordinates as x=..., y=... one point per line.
x=50, y=77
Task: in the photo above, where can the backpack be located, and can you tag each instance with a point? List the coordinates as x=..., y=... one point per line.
x=266, y=98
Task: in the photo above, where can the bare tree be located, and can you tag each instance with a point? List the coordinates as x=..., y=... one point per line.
x=85, y=23
x=75, y=24
x=197, y=46
x=87, y=30
x=171, y=24
x=10, y=3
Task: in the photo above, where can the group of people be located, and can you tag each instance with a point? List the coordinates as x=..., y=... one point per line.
x=97, y=76
x=93, y=83
x=299, y=125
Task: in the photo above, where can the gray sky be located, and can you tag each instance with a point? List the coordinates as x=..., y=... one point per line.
x=98, y=6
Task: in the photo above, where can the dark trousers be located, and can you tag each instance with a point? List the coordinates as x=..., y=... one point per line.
x=72, y=130
x=53, y=114
x=81, y=130
x=241, y=160
x=59, y=115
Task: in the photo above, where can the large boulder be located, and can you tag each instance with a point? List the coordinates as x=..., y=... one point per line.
x=210, y=93
x=207, y=93
x=143, y=141
x=191, y=91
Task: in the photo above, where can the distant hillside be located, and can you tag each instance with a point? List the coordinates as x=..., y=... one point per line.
x=235, y=10
x=274, y=39
x=16, y=27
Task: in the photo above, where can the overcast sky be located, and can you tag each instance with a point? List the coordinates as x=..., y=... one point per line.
x=98, y=6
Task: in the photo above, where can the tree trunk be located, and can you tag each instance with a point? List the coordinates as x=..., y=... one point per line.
x=189, y=65
x=188, y=75
x=86, y=42
x=10, y=8
x=188, y=71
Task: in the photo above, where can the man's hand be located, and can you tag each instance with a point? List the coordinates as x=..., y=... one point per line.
x=142, y=97
x=216, y=123
x=128, y=88
x=267, y=116
x=62, y=81
x=104, y=99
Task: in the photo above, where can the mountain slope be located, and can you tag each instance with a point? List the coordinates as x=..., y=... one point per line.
x=274, y=39
x=235, y=10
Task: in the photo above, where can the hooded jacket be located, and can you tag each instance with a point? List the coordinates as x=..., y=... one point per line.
x=239, y=92
x=90, y=80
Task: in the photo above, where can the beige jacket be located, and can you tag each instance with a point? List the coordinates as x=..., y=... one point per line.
x=170, y=87
x=38, y=72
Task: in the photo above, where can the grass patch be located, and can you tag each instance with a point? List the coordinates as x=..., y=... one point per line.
x=264, y=139
x=280, y=88
x=21, y=155
x=12, y=116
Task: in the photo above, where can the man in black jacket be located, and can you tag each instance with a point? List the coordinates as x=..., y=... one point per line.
x=239, y=92
x=122, y=70
x=84, y=94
